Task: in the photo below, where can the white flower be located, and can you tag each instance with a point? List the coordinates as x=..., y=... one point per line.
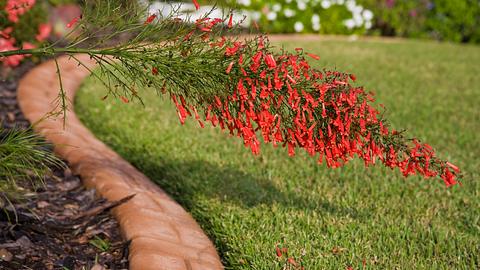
x=244, y=2
x=315, y=19
x=301, y=5
x=357, y=10
x=368, y=25
x=289, y=13
x=316, y=26
x=288, y=1
x=326, y=4
x=350, y=23
x=298, y=26
x=340, y=2
x=357, y=19
x=351, y=5
x=255, y=15
x=277, y=7
x=367, y=15
x=271, y=16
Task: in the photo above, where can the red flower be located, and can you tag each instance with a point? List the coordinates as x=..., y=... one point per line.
x=230, y=21
x=278, y=251
x=44, y=31
x=189, y=35
x=229, y=51
x=270, y=61
x=229, y=68
x=292, y=261
x=73, y=21
x=150, y=19
x=5, y=33
x=197, y=6
x=124, y=99
x=314, y=56
x=455, y=168
x=15, y=8
x=154, y=71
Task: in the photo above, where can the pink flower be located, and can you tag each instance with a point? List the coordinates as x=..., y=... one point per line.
x=44, y=30
x=15, y=8
x=7, y=45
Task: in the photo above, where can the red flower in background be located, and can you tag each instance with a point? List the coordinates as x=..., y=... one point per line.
x=44, y=30
x=8, y=45
x=16, y=8
x=73, y=21
x=197, y=6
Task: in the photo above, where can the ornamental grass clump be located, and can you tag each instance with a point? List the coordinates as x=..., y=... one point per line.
x=24, y=156
x=246, y=87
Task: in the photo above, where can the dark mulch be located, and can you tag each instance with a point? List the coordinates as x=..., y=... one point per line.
x=57, y=225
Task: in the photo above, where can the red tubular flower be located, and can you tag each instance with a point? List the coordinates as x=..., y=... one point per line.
x=455, y=168
x=189, y=35
x=230, y=21
x=124, y=99
x=229, y=51
x=197, y=6
x=150, y=19
x=44, y=30
x=5, y=33
x=73, y=21
x=154, y=71
x=270, y=61
x=278, y=251
x=448, y=177
x=229, y=68
x=314, y=56
x=16, y=8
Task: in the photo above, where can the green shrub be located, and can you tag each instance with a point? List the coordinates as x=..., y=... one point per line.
x=457, y=21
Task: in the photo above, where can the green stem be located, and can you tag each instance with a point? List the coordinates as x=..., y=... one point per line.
x=54, y=51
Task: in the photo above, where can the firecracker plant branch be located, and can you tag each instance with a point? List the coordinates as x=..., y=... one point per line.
x=247, y=87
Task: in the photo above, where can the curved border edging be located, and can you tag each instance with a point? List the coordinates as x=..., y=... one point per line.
x=163, y=235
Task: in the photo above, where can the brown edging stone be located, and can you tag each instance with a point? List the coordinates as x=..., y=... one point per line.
x=163, y=235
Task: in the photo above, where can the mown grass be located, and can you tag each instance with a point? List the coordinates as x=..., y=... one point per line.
x=340, y=217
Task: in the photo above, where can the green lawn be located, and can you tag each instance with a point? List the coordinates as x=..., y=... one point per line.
x=335, y=217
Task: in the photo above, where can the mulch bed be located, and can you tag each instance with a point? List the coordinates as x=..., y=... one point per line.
x=58, y=224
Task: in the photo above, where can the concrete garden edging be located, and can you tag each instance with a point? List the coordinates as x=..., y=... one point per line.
x=163, y=235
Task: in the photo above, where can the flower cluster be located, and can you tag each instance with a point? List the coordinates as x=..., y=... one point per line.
x=310, y=16
x=15, y=9
x=281, y=99
x=327, y=16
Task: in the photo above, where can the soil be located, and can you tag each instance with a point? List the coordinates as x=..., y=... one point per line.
x=58, y=224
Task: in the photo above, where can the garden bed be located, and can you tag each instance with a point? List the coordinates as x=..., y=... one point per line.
x=57, y=224
x=328, y=219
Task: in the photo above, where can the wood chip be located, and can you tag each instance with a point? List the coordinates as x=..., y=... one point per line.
x=5, y=255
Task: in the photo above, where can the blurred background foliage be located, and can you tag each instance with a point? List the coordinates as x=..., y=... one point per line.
x=446, y=20
x=443, y=20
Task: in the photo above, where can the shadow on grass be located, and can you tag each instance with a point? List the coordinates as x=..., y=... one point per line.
x=187, y=180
